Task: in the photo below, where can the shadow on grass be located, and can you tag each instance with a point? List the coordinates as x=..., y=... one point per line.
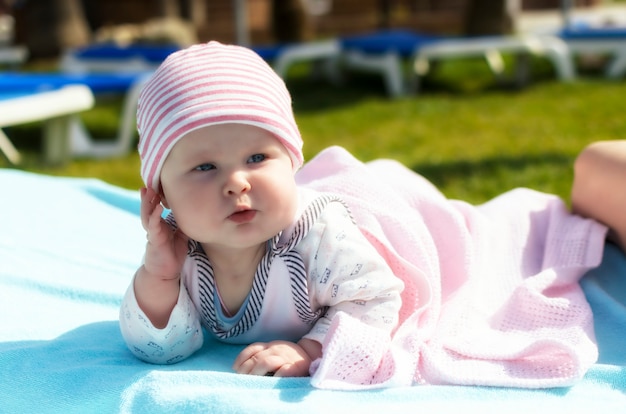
x=460, y=77
x=442, y=173
x=312, y=95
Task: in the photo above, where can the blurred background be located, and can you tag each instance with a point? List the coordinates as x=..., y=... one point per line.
x=472, y=134
x=47, y=27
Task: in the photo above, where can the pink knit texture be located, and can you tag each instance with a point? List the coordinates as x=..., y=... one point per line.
x=491, y=294
x=209, y=84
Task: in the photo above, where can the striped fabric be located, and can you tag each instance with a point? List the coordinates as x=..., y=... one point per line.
x=286, y=251
x=209, y=84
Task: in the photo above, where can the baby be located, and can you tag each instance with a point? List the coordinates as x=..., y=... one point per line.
x=243, y=252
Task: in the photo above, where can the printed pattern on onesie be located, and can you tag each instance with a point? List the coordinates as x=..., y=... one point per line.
x=292, y=259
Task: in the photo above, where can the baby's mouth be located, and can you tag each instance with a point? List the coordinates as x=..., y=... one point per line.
x=242, y=216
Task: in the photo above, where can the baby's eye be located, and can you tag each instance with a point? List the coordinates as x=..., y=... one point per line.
x=256, y=158
x=205, y=167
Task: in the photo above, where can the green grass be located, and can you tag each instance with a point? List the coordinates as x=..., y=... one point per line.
x=472, y=138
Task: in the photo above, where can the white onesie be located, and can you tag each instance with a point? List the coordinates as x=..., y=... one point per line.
x=319, y=266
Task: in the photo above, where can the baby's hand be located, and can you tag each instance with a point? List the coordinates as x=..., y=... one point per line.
x=166, y=249
x=279, y=358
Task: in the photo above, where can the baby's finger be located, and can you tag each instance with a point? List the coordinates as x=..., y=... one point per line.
x=260, y=365
x=149, y=200
x=296, y=369
x=257, y=360
x=246, y=354
x=155, y=223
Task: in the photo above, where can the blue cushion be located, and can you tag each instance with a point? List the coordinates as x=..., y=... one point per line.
x=593, y=33
x=23, y=82
x=151, y=53
x=269, y=52
x=403, y=42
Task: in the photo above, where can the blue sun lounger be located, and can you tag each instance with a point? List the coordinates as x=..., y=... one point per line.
x=55, y=108
x=385, y=51
x=583, y=39
x=42, y=95
x=324, y=54
x=110, y=57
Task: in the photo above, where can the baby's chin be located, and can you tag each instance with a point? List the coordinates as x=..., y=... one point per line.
x=239, y=241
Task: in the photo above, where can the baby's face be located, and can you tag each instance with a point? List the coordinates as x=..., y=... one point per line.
x=230, y=185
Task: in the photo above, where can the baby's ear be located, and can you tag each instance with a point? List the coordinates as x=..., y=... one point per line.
x=163, y=199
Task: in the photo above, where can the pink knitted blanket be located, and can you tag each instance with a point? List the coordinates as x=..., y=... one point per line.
x=491, y=291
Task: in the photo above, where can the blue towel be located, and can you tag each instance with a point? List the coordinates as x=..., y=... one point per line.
x=68, y=250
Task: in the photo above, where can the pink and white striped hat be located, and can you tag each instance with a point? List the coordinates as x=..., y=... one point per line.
x=209, y=84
